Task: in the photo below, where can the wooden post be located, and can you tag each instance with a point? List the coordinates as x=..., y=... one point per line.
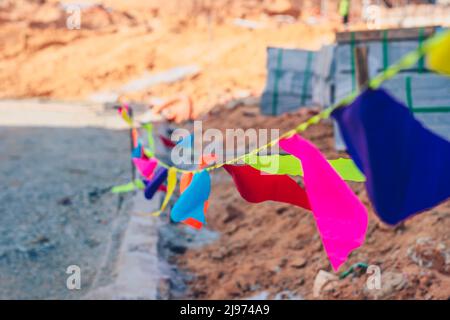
x=362, y=68
x=133, y=169
x=323, y=8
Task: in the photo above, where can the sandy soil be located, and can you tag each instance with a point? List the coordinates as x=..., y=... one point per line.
x=268, y=247
x=275, y=248
x=120, y=41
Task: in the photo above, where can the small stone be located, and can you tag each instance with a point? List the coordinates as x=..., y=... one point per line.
x=390, y=282
x=287, y=295
x=281, y=210
x=66, y=201
x=233, y=213
x=219, y=254
x=323, y=279
x=300, y=281
x=299, y=263
x=426, y=253
x=178, y=249
x=283, y=262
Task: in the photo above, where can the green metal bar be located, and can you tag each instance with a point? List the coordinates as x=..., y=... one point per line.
x=352, y=269
x=409, y=100
x=306, y=77
x=421, y=63
x=275, y=85
x=431, y=109
x=352, y=60
x=385, y=50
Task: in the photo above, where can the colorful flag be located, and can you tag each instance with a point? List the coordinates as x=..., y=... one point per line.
x=406, y=165
x=145, y=166
x=156, y=181
x=255, y=186
x=439, y=55
x=137, y=151
x=124, y=112
x=171, y=184
x=192, y=200
x=288, y=164
x=186, y=179
x=340, y=216
x=167, y=142
x=131, y=186
x=150, y=152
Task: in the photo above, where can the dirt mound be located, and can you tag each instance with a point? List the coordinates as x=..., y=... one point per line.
x=41, y=14
x=275, y=248
x=120, y=41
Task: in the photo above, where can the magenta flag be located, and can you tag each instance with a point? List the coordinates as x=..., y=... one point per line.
x=340, y=216
x=145, y=166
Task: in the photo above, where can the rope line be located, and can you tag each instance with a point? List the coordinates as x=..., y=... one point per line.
x=407, y=61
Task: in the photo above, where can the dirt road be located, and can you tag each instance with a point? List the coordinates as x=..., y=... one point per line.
x=57, y=165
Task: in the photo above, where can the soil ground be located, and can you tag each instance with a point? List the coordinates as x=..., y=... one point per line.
x=54, y=179
x=275, y=248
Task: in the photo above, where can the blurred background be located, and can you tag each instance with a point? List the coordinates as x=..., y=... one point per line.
x=64, y=65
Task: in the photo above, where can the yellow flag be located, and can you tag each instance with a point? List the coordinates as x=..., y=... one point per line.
x=126, y=116
x=439, y=55
x=171, y=184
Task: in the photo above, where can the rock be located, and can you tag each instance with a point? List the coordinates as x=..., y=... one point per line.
x=219, y=254
x=390, y=282
x=299, y=263
x=287, y=295
x=259, y=296
x=233, y=213
x=250, y=113
x=41, y=240
x=428, y=296
x=282, y=7
x=300, y=281
x=393, y=280
x=276, y=269
x=324, y=281
x=164, y=289
x=426, y=253
x=281, y=210
x=66, y=201
x=178, y=249
x=384, y=227
x=248, y=24
x=283, y=262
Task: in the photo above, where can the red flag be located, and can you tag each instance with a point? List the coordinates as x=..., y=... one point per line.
x=255, y=186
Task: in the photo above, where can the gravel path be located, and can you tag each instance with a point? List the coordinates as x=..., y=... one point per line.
x=55, y=208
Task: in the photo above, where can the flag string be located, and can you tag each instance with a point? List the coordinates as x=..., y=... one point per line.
x=407, y=61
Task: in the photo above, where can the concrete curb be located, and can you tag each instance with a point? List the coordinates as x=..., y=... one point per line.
x=138, y=269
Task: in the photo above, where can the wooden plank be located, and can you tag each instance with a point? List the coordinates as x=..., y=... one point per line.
x=362, y=68
x=392, y=34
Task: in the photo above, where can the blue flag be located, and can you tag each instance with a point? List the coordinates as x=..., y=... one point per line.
x=191, y=202
x=407, y=167
x=137, y=151
x=157, y=180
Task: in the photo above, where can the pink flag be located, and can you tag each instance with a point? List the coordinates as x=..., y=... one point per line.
x=340, y=216
x=145, y=166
